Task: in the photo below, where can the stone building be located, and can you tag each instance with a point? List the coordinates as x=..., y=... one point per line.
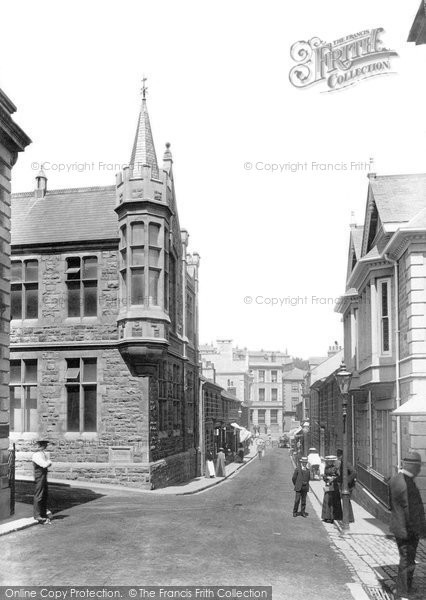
x=293, y=386
x=220, y=410
x=267, y=402
x=12, y=141
x=228, y=367
x=383, y=311
x=104, y=331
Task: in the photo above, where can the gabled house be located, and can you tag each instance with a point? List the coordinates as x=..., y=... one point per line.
x=104, y=330
x=384, y=318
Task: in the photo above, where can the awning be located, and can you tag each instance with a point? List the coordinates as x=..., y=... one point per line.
x=244, y=433
x=415, y=406
x=294, y=431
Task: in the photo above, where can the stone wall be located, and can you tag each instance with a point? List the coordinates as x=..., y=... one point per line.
x=5, y=175
x=175, y=469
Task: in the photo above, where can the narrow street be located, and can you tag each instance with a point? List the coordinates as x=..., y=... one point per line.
x=240, y=532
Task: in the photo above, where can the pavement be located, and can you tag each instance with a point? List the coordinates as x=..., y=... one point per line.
x=370, y=550
x=22, y=519
x=239, y=532
x=367, y=549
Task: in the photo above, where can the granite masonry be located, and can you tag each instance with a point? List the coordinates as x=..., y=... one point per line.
x=12, y=141
x=104, y=330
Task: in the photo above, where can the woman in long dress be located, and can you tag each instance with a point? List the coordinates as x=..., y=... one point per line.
x=331, y=506
x=210, y=465
x=220, y=463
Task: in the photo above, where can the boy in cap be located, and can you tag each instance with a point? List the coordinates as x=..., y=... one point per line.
x=41, y=463
x=408, y=522
x=300, y=479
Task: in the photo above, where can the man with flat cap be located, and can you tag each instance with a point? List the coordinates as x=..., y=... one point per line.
x=41, y=463
x=408, y=522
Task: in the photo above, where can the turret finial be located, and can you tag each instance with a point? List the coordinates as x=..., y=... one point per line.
x=144, y=88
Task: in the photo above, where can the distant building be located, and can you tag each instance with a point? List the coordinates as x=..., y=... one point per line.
x=255, y=377
x=12, y=141
x=293, y=386
x=267, y=400
x=228, y=367
x=104, y=356
x=324, y=406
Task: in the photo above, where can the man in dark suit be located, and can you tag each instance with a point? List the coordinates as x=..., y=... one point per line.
x=408, y=522
x=300, y=479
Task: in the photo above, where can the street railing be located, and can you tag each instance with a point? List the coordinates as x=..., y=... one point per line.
x=375, y=483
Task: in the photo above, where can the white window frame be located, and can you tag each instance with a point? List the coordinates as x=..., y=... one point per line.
x=381, y=317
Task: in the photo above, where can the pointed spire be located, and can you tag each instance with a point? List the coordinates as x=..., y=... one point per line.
x=143, y=152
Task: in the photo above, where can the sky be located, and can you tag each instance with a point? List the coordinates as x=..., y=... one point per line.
x=273, y=243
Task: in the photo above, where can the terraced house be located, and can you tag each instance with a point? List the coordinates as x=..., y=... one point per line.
x=384, y=315
x=104, y=331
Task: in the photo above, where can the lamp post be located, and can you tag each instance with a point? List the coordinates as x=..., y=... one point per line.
x=343, y=378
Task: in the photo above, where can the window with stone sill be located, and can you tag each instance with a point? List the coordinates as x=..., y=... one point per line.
x=274, y=395
x=82, y=286
x=274, y=376
x=23, y=395
x=261, y=376
x=24, y=289
x=261, y=394
x=274, y=417
x=81, y=387
x=261, y=416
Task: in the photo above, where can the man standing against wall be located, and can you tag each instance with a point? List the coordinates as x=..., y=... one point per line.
x=407, y=521
x=41, y=463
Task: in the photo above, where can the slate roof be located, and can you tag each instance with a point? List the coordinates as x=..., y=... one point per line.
x=357, y=234
x=143, y=152
x=399, y=197
x=294, y=375
x=70, y=215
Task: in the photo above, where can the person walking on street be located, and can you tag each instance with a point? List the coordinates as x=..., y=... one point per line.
x=241, y=453
x=331, y=506
x=220, y=463
x=210, y=465
x=408, y=522
x=300, y=479
x=41, y=463
x=260, y=448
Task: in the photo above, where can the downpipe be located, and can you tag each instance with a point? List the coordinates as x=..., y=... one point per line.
x=397, y=358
